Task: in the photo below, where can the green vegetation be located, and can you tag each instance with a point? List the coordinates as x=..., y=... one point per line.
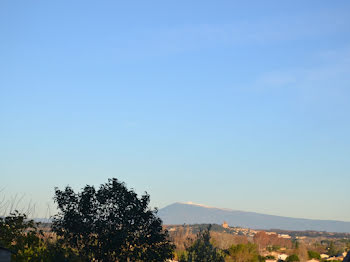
x=332, y=251
x=110, y=224
x=202, y=250
x=292, y=258
x=22, y=236
x=313, y=254
x=273, y=248
x=244, y=253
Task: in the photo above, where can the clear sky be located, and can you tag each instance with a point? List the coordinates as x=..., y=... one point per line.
x=236, y=105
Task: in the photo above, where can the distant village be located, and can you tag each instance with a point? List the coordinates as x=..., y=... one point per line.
x=317, y=244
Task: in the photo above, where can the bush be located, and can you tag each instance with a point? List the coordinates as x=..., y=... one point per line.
x=244, y=253
x=292, y=258
x=273, y=248
x=313, y=254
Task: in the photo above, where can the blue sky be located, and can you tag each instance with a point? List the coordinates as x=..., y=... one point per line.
x=236, y=105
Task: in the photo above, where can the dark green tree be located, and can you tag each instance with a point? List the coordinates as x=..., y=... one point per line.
x=332, y=251
x=202, y=250
x=292, y=258
x=110, y=224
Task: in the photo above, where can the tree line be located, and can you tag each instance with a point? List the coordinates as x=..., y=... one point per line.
x=112, y=223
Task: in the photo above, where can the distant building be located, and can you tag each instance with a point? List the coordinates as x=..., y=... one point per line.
x=5, y=255
x=284, y=236
x=225, y=225
x=282, y=256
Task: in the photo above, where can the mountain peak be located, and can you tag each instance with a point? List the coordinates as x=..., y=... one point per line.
x=192, y=213
x=201, y=205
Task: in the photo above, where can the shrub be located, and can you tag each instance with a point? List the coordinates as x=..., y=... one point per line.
x=292, y=258
x=313, y=254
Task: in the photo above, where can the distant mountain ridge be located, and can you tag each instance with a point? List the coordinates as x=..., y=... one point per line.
x=191, y=213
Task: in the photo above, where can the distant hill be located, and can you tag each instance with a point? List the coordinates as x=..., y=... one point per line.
x=189, y=213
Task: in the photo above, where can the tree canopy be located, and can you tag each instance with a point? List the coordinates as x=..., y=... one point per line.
x=22, y=237
x=110, y=223
x=244, y=253
x=202, y=250
x=292, y=258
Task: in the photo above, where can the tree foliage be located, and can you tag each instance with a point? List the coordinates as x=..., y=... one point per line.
x=110, y=224
x=21, y=236
x=202, y=250
x=313, y=254
x=292, y=258
x=244, y=253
